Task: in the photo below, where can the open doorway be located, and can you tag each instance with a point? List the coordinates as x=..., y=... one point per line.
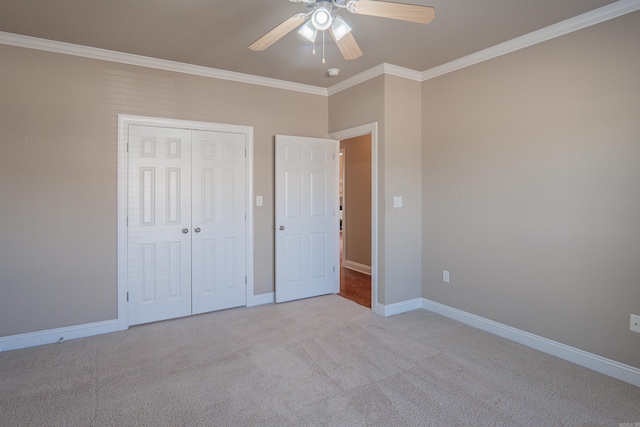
x=372, y=130
x=355, y=219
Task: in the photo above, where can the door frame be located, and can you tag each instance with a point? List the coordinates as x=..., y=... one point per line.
x=343, y=191
x=124, y=120
x=369, y=129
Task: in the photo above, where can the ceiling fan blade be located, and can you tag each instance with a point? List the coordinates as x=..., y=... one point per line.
x=278, y=32
x=348, y=46
x=401, y=11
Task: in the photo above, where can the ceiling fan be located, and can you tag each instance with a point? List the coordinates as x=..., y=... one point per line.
x=322, y=16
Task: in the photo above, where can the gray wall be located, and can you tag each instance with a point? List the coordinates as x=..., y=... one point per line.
x=359, y=105
x=519, y=175
x=58, y=116
x=403, y=226
x=531, y=189
x=395, y=104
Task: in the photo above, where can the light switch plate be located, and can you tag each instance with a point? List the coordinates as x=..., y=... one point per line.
x=634, y=323
x=397, y=202
x=445, y=276
x=258, y=200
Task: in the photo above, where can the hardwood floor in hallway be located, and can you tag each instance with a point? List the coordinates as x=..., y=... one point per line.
x=354, y=285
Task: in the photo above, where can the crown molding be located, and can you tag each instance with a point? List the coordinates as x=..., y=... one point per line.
x=362, y=77
x=407, y=73
x=596, y=16
x=605, y=13
x=378, y=70
x=159, y=64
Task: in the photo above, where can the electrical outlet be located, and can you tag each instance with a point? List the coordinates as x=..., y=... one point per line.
x=635, y=323
x=445, y=276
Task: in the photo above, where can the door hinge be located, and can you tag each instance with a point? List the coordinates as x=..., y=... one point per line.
x=334, y=268
x=127, y=296
x=127, y=221
x=127, y=147
x=245, y=280
x=245, y=153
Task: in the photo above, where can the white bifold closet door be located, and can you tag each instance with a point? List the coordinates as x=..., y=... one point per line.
x=186, y=222
x=219, y=253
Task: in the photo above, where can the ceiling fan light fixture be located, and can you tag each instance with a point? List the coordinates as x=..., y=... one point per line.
x=321, y=17
x=340, y=28
x=308, y=31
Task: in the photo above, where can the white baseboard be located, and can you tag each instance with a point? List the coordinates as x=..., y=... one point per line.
x=49, y=336
x=620, y=371
x=261, y=299
x=15, y=342
x=351, y=265
x=398, y=308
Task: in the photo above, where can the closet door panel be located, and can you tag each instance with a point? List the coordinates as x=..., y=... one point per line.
x=159, y=213
x=219, y=221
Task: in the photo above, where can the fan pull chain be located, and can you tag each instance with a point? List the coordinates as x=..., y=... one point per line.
x=313, y=43
x=323, y=47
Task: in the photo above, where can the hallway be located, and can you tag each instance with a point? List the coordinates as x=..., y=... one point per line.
x=354, y=285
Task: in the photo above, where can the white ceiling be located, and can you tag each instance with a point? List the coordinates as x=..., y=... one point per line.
x=216, y=33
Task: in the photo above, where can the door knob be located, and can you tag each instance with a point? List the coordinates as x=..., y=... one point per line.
x=185, y=230
x=281, y=227
x=197, y=230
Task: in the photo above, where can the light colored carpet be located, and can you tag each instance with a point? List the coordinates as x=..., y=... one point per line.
x=321, y=361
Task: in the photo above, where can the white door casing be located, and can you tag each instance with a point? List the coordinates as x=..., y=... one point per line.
x=369, y=129
x=239, y=145
x=159, y=223
x=307, y=223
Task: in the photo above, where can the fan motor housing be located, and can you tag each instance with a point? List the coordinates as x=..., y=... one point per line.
x=321, y=16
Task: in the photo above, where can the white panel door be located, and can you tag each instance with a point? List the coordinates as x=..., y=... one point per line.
x=159, y=218
x=307, y=226
x=219, y=221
